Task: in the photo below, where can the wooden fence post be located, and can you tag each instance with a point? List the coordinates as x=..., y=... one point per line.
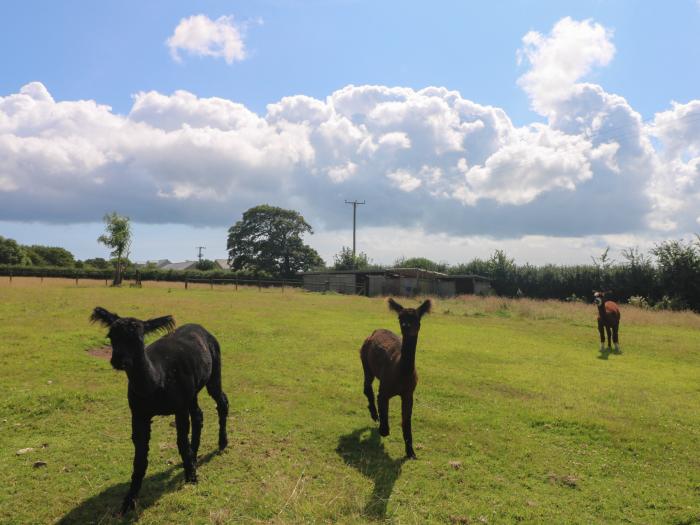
x=211, y=284
x=185, y=283
x=10, y=275
x=235, y=284
x=259, y=286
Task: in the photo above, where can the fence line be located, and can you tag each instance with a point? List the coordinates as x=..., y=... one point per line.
x=259, y=283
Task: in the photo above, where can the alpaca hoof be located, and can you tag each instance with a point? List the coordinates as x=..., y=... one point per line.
x=410, y=454
x=223, y=443
x=374, y=417
x=191, y=478
x=128, y=504
x=384, y=431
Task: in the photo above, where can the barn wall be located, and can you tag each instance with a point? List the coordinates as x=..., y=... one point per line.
x=376, y=285
x=481, y=287
x=446, y=288
x=340, y=283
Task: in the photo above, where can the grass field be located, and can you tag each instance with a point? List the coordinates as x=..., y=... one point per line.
x=517, y=416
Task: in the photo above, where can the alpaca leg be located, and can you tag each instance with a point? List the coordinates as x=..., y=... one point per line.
x=197, y=423
x=406, y=412
x=140, y=436
x=214, y=389
x=609, y=332
x=615, y=337
x=182, y=422
x=369, y=392
x=216, y=392
x=383, y=401
x=601, y=331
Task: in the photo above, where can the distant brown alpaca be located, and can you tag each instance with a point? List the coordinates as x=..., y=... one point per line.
x=392, y=360
x=608, y=318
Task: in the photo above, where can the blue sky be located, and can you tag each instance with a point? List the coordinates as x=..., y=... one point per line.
x=448, y=197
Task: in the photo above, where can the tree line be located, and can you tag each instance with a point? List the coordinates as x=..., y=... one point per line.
x=267, y=242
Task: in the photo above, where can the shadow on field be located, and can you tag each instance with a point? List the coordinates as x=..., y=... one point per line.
x=371, y=460
x=605, y=353
x=102, y=507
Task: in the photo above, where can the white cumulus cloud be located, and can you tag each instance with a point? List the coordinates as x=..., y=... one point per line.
x=561, y=58
x=201, y=36
x=425, y=158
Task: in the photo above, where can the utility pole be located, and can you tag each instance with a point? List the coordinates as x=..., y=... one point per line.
x=199, y=254
x=354, y=222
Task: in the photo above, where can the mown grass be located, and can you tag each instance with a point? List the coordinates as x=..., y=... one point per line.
x=517, y=418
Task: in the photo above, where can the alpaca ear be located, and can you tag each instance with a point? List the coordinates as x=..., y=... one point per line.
x=102, y=316
x=165, y=324
x=424, y=308
x=393, y=305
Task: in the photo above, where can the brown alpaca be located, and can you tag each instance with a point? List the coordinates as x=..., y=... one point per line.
x=392, y=360
x=608, y=318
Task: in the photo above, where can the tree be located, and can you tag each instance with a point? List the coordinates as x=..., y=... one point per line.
x=679, y=272
x=268, y=240
x=345, y=261
x=206, y=265
x=420, y=262
x=49, y=256
x=11, y=252
x=97, y=262
x=118, y=237
x=503, y=271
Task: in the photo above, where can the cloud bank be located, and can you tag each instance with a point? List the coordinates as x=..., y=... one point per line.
x=425, y=158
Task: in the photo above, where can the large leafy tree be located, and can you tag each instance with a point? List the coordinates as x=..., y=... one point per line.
x=118, y=237
x=11, y=252
x=267, y=240
x=49, y=256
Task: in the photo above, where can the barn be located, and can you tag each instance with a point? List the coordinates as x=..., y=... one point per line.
x=395, y=281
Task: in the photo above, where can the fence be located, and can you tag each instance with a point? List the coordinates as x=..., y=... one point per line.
x=136, y=280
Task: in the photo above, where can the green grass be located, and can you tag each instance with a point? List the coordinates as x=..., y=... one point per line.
x=539, y=427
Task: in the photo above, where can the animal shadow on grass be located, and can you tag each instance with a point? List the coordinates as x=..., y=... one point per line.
x=370, y=458
x=102, y=507
x=605, y=353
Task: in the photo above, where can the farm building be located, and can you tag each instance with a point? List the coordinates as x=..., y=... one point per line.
x=395, y=281
x=222, y=264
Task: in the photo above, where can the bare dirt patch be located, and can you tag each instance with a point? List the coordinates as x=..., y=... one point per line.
x=101, y=352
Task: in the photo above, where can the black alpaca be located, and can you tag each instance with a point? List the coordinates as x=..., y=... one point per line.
x=392, y=360
x=164, y=379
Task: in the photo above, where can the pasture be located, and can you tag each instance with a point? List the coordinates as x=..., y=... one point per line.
x=517, y=417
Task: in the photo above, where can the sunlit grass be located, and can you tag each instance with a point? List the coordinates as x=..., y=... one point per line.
x=517, y=417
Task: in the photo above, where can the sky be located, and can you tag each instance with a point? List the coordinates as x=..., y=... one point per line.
x=549, y=129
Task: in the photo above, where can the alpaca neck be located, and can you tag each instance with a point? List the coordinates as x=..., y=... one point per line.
x=142, y=375
x=407, y=363
x=601, y=309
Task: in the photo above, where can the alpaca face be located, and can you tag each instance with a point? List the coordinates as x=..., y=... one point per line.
x=126, y=335
x=599, y=297
x=409, y=320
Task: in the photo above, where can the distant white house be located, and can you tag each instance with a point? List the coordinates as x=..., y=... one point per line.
x=160, y=263
x=222, y=264
x=186, y=265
